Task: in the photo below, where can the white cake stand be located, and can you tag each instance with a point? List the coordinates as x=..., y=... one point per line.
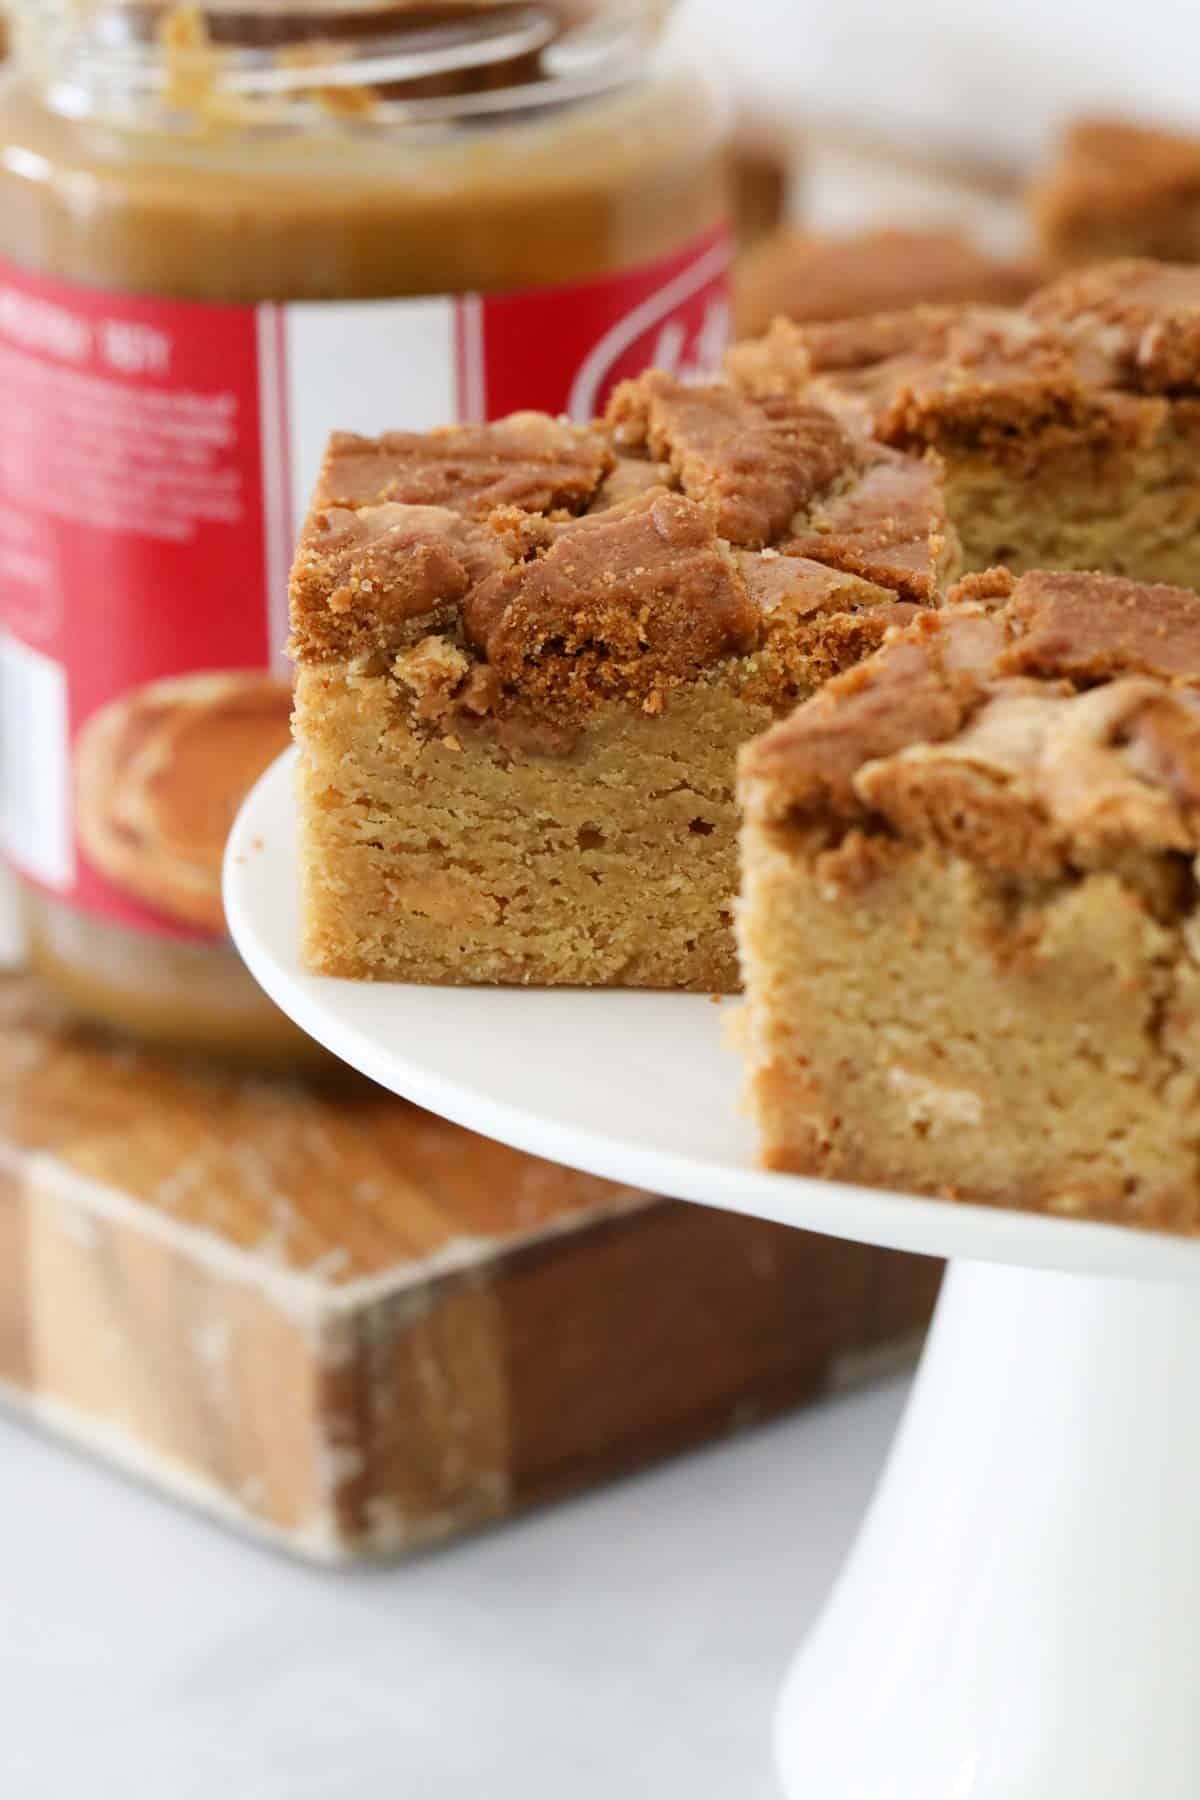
x=1020, y=1617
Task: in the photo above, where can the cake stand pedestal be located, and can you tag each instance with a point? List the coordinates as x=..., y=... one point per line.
x=1019, y=1616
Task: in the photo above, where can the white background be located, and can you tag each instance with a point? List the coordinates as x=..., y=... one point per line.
x=991, y=74
x=624, y=1646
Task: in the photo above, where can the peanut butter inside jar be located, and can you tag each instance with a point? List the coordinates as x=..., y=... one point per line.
x=251, y=151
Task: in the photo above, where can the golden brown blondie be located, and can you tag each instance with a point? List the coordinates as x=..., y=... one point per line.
x=528, y=653
x=969, y=926
x=1070, y=426
x=796, y=275
x=1117, y=187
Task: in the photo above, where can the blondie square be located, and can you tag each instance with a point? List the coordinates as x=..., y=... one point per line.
x=795, y=275
x=1069, y=427
x=970, y=927
x=1115, y=187
x=528, y=653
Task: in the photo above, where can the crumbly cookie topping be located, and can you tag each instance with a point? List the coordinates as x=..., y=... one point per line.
x=1029, y=723
x=696, y=528
x=1082, y=361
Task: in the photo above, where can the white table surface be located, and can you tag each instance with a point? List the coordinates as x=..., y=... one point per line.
x=627, y=1644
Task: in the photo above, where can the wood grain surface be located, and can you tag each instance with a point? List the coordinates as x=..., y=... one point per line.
x=327, y=1316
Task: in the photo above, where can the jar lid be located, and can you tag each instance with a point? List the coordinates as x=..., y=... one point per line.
x=290, y=62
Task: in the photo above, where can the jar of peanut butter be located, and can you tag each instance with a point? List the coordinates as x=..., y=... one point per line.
x=226, y=229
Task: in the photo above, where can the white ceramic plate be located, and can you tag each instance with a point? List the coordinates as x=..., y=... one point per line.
x=641, y=1088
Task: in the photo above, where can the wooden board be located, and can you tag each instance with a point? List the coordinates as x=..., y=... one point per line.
x=328, y=1317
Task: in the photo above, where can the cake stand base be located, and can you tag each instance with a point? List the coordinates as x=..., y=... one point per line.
x=1018, y=1620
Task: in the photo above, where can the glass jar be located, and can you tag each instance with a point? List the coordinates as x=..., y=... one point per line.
x=225, y=230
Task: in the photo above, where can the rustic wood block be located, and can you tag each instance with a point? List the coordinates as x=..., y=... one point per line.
x=324, y=1315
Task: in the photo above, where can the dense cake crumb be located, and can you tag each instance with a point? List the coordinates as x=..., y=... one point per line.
x=969, y=922
x=528, y=654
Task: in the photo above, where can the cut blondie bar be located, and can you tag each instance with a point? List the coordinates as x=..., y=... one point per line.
x=1070, y=427
x=794, y=275
x=1115, y=187
x=969, y=927
x=527, y=656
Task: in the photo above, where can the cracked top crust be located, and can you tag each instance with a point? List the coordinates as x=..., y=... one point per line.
x=1093, y=357
x=1142, y=317
x=697, y=528
x=367, y=579
x=1030, y=725
x=1090, y=628
x=625, y=606
x=527, y=460
x=757, y=463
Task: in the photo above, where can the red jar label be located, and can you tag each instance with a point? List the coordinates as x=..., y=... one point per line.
x=155, y=462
